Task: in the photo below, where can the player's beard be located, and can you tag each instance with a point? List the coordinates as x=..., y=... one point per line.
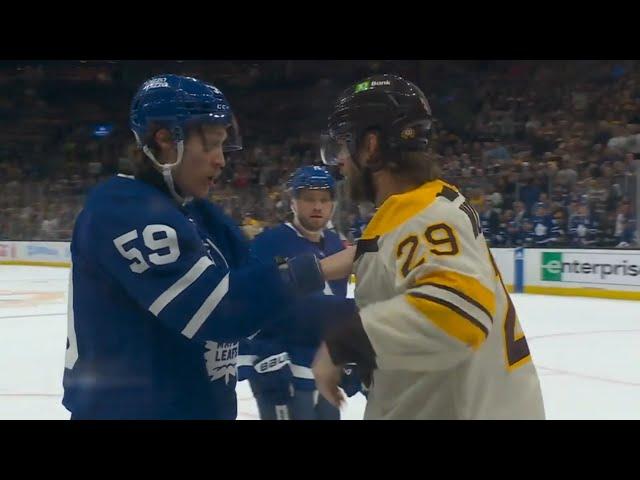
x=310, y=227
x=360, y=186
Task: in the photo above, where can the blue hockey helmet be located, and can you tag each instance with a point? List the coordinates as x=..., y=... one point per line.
x=313, y=178
x=174, y=102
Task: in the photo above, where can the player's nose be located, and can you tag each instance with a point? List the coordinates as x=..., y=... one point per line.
x=218, y=160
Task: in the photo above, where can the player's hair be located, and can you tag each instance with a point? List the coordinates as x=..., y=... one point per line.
x=418, y=167
x=140, y=164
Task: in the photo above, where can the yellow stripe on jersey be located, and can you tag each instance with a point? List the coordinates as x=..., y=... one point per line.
x=399, y=208
x=465, y=285
x=450, y=318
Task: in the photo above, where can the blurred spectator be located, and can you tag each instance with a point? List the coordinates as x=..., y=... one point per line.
x=511, y=136
x=583, y=228
x=558, y=229
x=530, y=193
x=542, y=226
x=489, y=219
x=520, y=213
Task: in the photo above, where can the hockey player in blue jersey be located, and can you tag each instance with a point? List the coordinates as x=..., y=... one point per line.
x=277, y=362
x=162, y=287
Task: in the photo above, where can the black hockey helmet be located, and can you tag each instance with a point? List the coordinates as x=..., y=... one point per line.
x=394, y=107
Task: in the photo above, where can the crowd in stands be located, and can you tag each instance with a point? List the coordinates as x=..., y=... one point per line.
x=545, y=151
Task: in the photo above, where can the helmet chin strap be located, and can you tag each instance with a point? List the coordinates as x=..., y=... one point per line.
x=166, y=170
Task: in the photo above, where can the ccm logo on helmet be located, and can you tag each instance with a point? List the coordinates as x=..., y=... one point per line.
x=155, y=83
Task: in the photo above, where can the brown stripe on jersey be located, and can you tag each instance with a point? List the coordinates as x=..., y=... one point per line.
x=448, y=193
x=463, y=283
x=461, y=295
x=517, y=350
x=473, y=218
x=452, y=307
x=366, y=245
x=495, y=267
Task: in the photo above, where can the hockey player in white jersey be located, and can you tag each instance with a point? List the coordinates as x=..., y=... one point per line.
x=436, y=326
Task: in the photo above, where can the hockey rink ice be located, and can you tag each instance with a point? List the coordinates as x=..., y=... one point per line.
x=587, y=351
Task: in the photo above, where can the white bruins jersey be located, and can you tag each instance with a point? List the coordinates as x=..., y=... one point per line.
x=446, y=335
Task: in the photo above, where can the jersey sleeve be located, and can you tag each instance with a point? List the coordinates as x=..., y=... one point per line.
x=159, y=259
x=444, y=300
x=266, y=246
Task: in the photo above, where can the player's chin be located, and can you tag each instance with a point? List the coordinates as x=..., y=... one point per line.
x=205, y=187
x=202, y=195
x=318, y=222
x=202, y=191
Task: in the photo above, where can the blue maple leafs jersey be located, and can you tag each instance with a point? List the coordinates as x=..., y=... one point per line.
x=159, y=297
x=285, y=241
x=542, y=226
x=583, y=230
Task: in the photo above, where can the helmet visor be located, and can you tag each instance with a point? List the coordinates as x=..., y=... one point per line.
x=233, y=141
x=334, y=151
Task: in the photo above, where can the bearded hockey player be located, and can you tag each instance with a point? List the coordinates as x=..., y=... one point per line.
x=435, y=325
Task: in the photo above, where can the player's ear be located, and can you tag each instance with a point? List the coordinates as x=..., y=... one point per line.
x=372, y=142
x=164, y=141
x=370, y=145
